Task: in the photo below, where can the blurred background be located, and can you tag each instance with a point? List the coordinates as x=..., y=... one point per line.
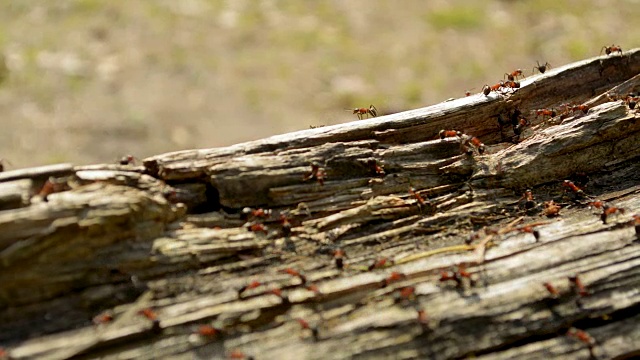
x=88, y=81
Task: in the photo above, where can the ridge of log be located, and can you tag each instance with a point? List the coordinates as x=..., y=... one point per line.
x=373, y=239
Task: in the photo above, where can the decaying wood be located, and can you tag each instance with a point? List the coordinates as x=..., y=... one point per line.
x=397, y=244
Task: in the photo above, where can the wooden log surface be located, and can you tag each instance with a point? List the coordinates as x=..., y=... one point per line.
x=371, y=239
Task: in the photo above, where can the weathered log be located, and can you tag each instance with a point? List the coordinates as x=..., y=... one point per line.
x=374, y=239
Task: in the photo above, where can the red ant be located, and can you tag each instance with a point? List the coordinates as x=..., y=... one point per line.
x=252, y=285
x=286, y=225
x=127, y=160
x=514, y=75
x=417, y=196
x=473, y=141
x=457, y=275
x=305, y=326
x=598, y=204
x=52, y=186
x=545, y=112
x=313, y=288
x=552, y=290
x=541, y=68
x=579, y=286
x=636, y=222
x=488, y=89
x=239, y=355
x=152, y=316
x=631, y=101
x=512, y=84
x=611, y=49
x=570, y=185
x=422, y=316
x=608, y=210
x=261, y=213
x=551, y=209
x=407, y=292
x=256, y=227
x=339, y=256
x=375, y=168
x=208, y=331
x=522, y=122
x=449, y=133
x=468, y=92
x=362, y=112
x=102, y=319
x=295, y=273
x=315, y=173
x=395, y=276
x=582, y=336
x=583, y=108
x=378, y=264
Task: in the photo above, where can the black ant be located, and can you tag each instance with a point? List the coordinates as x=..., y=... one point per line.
x=541, y=68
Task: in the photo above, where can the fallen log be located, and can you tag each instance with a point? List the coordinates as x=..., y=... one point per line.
x=515, y=237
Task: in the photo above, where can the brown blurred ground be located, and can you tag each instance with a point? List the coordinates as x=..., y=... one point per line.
x=89, y=80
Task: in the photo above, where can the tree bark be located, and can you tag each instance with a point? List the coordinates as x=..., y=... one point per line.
x=374, y=238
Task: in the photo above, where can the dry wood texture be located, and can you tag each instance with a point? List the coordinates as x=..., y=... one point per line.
x=373, y=239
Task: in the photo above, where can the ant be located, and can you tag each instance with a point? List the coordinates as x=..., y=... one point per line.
x=611, y=49
x=541, y=68
x=395, y=276
x=379, y=264
x=468, y=92
x=103, y=318
x=305, y=326
x=522, y=122
x=315, y=173
x=469, y=140
x=407, y=292
x=512, y=84
x=52, y=186
x=417, y=196
x=514, y=75
x=239, y=355
x=551, y=209
x=286, y=225
x=573, y=187
x=578, y=285
x=545, y=112
x=256, y=213
x=608, y=210
x=582, y=336
x=552, y=290
x=362, y=112
x=636, y=222
x=457, y=275
x=313, y=288
x=208, y=331
x=529, y=199
x=375, y=168
x=486, y=90
x=422, y=316
x=339, y=256
x=449, y=133
x=295, y=273
x=252, y=285
x=127, y=160
x=583, y=108
x=631, y=101
x=152, y=316
x=256, y=227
